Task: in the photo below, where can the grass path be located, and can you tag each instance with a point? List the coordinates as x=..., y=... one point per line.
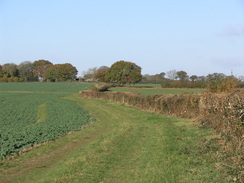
x=124, y=145
x=41, y=113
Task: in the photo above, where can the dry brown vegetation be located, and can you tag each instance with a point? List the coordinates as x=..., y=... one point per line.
x=224, y=112
x=100, y=88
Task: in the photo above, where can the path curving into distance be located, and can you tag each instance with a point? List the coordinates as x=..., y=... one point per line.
x=123, y=145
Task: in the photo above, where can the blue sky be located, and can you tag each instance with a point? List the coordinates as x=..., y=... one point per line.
x=199, y=37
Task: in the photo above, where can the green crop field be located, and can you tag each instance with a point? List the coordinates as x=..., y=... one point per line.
x=33, y=113
x=65, y=87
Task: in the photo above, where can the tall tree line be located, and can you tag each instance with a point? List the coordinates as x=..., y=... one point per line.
x=39, y=70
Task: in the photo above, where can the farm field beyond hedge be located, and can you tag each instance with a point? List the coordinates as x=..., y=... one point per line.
x=154, y=89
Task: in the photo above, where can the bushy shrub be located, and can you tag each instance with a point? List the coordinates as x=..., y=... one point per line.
x=226, y=84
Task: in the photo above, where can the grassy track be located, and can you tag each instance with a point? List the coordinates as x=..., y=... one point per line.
x=42, y=113
x=124, y=145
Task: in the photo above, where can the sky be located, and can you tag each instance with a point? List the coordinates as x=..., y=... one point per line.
x=199, y=37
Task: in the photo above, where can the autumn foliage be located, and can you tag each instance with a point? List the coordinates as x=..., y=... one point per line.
x=41, y=67
x=61, y=72
x=40, y=70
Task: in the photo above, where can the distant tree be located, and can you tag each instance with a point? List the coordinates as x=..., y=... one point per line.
x=241, y=78
x=89, y=75
x=241, y=83
x=26, y=70
x=67, y=71
x=123, y=72
x=201, y=78
x=1, y=71
x=100, y=73
x=40, y=68
x=146, y=78
x=215, y=77
x=182, y=75
x=162, y=75
x=61, y=72
x=228, y=84
x=193, y=78
x=218, y=82
x=172, y=74
x=52, y=73
x=157, y=78
x=10, y=70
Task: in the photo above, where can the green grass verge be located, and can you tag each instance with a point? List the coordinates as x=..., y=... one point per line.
x=124, y=145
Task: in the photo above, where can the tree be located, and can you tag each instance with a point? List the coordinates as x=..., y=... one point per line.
x=10, y=70
x=25, y=70
x=228, y=84
x=241, y=78
x=215, y=76
x=100, y=73
x=67, y=71
x=214, y=81
x=241, y=83
x=89, y=75
x=201, y=78
x=172, y=74
x=182, y=75
x=61, y=72
x=193, y=77
x=40, y=68
x=157, y=78
x=162, y=75
x=146, y=78
x=52, y=73
x=1, y=71
x=123, y=72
